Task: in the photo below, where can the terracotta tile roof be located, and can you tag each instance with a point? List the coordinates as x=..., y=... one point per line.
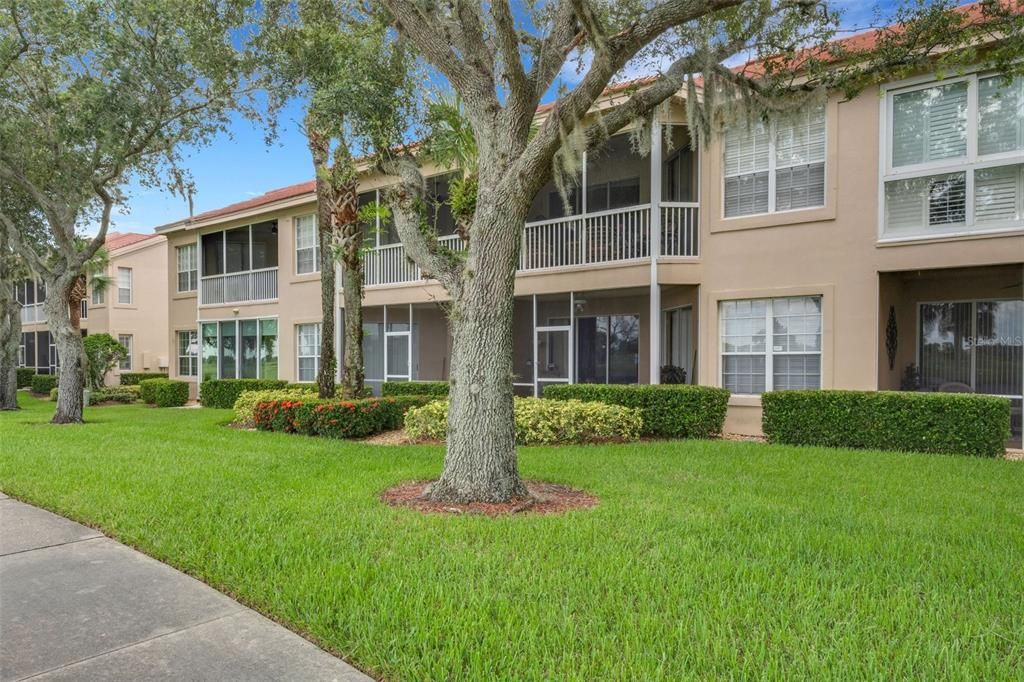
x=119, y=240
x=280, y=194
x=868, y=40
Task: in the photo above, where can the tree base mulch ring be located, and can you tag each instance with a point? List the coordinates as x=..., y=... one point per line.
x=545, y=498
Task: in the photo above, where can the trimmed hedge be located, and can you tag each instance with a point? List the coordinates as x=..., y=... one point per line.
x=116, y=394
x=25, y=375
x=948, y=423
x=164, y=392
x=133, y=378
x=438, y=389
x=669, y=410
x=43, y=383
x=334, y=418
x=247, y=401
x=223, y=393
x=539, y=421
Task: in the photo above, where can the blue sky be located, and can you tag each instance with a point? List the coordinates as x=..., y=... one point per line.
x=239, y=165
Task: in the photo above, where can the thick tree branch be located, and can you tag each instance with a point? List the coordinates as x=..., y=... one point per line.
x=407, y=201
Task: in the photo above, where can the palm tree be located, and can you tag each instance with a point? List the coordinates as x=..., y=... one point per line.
x=94, y=274
x=451, y=143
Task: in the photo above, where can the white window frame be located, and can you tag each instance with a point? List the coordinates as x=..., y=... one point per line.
x=126, y=364
x=967, y=164
x=298, y=348
x=771, y=170
x=98, y=296
x=769, y=353
x=192, y=272
x=128, y=288
x=315, y=248
x=191, y=360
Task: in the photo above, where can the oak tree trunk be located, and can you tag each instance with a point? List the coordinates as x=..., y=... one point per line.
x=480, y=462
x=10, y=339
x=69, y=349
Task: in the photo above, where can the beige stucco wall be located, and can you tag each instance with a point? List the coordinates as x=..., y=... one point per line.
x=831, y=251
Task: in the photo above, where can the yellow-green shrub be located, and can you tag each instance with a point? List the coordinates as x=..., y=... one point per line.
x=542, y=422
x=246, y=403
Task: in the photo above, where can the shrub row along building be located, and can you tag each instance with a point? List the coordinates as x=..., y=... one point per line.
x=870, y=243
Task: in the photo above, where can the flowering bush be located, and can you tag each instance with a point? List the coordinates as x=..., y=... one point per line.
x=246, y=403
x=542, y=422
x=333, y=418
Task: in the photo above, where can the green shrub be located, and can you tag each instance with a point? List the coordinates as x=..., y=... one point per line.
x=25, y=375
x=539, y=421
x=438, y=389
x=53, y=394
x=334, y=418
x=116, y=394
x=951, y=423
x=133, y=378
x=102, y=353
x=164, y=392
x=223, y=393
x=247, y=401
x=669, y=411
x=43, y=383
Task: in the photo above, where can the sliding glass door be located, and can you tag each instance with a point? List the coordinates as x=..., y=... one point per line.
x=976, y=347
x=608, y=349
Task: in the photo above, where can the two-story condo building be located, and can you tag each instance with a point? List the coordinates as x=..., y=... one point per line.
x=870, y=243
x=132, y=308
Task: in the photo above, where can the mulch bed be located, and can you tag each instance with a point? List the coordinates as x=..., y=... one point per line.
x=545, y=498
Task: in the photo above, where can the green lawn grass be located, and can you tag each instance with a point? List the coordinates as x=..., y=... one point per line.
x=704, y=559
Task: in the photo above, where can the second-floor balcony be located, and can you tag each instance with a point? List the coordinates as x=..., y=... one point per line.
x=605, y=216
x=239, y=287
x=239, y=265
x=618, y=235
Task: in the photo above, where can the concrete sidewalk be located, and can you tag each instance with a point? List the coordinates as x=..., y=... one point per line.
x=75, y=605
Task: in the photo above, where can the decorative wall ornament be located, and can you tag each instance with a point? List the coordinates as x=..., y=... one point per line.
x=891, y=340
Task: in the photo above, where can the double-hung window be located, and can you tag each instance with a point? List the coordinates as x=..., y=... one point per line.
x=775, y=166
x=188, y=267
x=771, y=344
x=307, y=245
x=124, y=285
x=308, y=348
x=126, y=341
x=954, y=157
x=188, y=353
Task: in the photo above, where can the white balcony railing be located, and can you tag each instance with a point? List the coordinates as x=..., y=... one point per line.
x=679, y=229
x=239, y=287
x=33, y=313
x=389, y=265
x=574, y=241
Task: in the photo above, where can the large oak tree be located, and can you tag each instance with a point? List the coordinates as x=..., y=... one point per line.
x=95, y=94
x=501, y=59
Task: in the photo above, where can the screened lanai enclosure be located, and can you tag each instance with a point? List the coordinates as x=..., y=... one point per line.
x=572, y=337
x=956, y=331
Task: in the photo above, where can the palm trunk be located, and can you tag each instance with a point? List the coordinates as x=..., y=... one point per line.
x=69, y=349
x=480, y=462
x=328, y=358
x=352, y=375
x=10, y=338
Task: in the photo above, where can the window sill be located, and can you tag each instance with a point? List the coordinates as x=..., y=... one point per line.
x=779, y=219
x=181, y=295
x=305, y=277
x=962, y=235
x=744, y=400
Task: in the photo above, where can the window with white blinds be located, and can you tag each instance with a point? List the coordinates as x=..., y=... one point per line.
x=308, y=351
x=771, y=344
x=307, y=245
x=776, y=166
x=188, y=267
x=955, y=159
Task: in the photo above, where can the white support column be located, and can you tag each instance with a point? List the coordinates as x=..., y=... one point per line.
x=654, y=241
